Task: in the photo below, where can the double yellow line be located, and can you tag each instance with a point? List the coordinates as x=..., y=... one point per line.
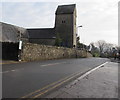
x=49, y=87
x=11, y=62
x=42, y=91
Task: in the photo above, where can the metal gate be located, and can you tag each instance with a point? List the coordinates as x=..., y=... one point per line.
x=10, y=51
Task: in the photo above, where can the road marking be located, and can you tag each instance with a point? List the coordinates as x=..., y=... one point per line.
x=4, y=72
x=10, y=71
x=11, y=62
x=48, y=86
x=52, y=64
x=82, y=76
x=60, y=82
x=87, y=73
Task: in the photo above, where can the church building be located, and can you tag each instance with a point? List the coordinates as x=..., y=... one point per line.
x=63, y=33
x=65, y=28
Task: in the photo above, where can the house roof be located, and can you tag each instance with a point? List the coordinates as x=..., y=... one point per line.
x=65, y=9
x=45, y=33
x=11, y=33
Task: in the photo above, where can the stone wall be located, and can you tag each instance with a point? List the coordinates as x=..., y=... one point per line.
x=34, y=52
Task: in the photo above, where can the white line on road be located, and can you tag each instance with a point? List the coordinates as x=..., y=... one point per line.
x=52, y=64
x=87, y=73
x=4, y=72
x=69, y=78
x=12, y=70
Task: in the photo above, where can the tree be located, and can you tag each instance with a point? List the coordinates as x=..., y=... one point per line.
x=94, y=50
x=105, y=49
x=108, y=50
x=80, y=45
x=101, y=45
x=58, y=41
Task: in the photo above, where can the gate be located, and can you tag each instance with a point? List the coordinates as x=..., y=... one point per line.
x=10, y=51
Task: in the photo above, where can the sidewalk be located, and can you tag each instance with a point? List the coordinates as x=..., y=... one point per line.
x=115, y=60
x=102, y=83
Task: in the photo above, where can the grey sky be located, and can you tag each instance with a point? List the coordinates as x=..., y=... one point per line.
x=98, y=17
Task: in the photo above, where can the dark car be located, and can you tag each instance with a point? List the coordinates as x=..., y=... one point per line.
x=118, y=54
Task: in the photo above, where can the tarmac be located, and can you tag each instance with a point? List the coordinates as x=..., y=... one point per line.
x=101, y=83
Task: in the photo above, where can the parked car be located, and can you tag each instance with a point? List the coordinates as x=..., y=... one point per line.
x=118, y=54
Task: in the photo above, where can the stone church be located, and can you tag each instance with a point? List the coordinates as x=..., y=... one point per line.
x=65, y=29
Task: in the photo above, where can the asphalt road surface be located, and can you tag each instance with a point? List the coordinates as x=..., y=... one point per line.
x=27, y=78
x=101, y=83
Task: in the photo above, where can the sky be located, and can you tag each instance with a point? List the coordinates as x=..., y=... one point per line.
x=99, y=18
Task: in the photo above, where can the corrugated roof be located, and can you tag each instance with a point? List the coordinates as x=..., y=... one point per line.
x=45, y=33
x=65, y=9
x=11, y=33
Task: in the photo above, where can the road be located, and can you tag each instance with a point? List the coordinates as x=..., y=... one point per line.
x=101, y=83
x=24, y=80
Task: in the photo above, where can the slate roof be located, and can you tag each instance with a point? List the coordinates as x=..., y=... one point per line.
x=39, y=33
x=65, y=9
x=11, y=33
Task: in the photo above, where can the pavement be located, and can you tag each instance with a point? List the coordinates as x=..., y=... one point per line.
x=101, y=83
x=36, y=79
x=115, y=60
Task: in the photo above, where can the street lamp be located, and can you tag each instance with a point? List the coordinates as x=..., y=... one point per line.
x=77, y=29
x=80, y=26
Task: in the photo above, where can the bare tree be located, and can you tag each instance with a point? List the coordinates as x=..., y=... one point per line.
x=101, y=45
x=105, y=49
x=109, y=49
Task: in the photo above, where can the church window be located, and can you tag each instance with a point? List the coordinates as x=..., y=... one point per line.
x=63, y=21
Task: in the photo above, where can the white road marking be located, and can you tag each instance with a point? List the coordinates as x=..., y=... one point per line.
x=69, y=78
x=87, y=73
x=52, y=64
x=12, y=70
x=5, y=72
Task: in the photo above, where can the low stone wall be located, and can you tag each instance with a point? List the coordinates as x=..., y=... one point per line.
x=34, y=52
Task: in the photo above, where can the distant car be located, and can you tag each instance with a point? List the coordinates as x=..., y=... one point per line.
x=118, y=54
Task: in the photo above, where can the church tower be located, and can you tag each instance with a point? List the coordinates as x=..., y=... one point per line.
x=65, y=25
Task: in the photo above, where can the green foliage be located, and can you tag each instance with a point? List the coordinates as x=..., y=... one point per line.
x=58, y=40
x=81, y=45
x=95, y=54
x=94, y=50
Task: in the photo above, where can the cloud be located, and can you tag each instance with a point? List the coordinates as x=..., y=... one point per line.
x=29, y=14
x=99, y=20
x=0, y=11
x=98, y=17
